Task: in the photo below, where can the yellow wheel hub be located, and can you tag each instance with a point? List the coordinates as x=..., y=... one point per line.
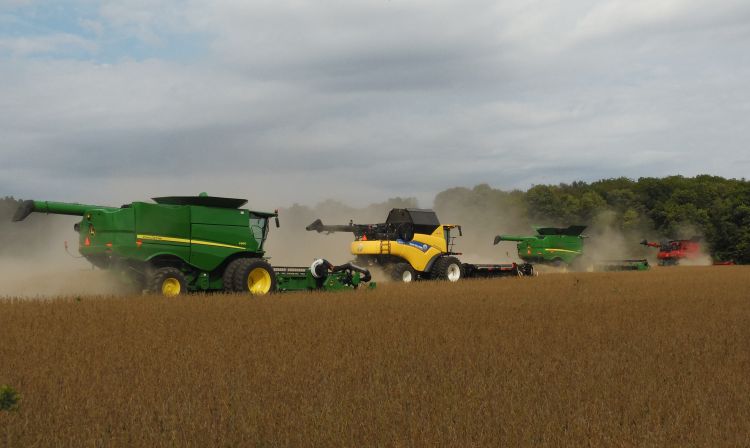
x=259, y=281
x=170, y=287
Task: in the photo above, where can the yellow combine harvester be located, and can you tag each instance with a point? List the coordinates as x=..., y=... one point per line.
x=412, y=244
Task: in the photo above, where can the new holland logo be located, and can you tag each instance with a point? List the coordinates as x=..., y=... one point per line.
x=421, y=246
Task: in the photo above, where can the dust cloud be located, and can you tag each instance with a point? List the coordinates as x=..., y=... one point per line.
x=606, y=240
x=34, y=262
x=29, y=278
x=482, y=214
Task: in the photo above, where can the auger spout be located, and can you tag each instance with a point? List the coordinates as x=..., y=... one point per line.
x=517, y=238
x=56, y=208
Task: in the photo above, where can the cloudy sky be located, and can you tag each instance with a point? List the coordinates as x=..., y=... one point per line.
x=298, y=101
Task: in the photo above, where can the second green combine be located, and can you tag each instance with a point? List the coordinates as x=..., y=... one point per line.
x=563, y=247
x=556, y=246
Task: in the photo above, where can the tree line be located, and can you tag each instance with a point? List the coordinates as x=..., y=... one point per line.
x=674, y=207
x=714, y=208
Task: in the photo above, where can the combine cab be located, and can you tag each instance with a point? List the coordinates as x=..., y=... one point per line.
x=672, y=252
x=188, y=243
x=551, y=245
x=412, y=244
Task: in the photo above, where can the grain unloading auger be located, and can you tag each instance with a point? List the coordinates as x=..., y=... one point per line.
x=191, y=243
x=412, y=244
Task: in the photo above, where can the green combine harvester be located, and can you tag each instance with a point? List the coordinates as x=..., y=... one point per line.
x=563, y=247
x=551, y=245
x=183, y=244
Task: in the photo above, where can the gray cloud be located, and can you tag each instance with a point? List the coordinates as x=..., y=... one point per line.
x=367, y=100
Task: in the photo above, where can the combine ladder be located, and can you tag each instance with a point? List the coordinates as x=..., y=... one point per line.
x=385, y=247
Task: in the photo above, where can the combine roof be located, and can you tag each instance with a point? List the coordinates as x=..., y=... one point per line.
x=569, y=231
x=424, y=220
x=206, y=201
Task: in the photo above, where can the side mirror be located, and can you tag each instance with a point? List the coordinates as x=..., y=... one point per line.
x=276, y=220
x=460, y=233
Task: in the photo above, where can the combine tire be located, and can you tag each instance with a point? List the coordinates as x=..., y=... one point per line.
x=168, y=282
x=448, y=268
x=527, y=270
x=227, y=279
x=403, y=272
x=255, y=276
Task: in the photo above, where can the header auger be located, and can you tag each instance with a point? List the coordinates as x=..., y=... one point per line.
x=188, y=243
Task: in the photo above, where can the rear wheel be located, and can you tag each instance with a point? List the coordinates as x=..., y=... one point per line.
x=448, y=268
x=227, y=278
x=168, y=282
x=255, y=276
x=403, y=272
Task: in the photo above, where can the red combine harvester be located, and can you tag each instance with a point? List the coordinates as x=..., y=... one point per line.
x=671, y=252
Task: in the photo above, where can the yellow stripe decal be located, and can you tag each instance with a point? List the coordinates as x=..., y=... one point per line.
x=563, y=250
x=163, y=238
x=185, y=240
x=209, y=243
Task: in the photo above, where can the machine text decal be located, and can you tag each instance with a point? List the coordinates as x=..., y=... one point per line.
x=421, y=246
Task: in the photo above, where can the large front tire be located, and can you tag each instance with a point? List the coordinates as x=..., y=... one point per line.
x=403, y=272
x=168, y=282
x=254, y=276
x=448, y=268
